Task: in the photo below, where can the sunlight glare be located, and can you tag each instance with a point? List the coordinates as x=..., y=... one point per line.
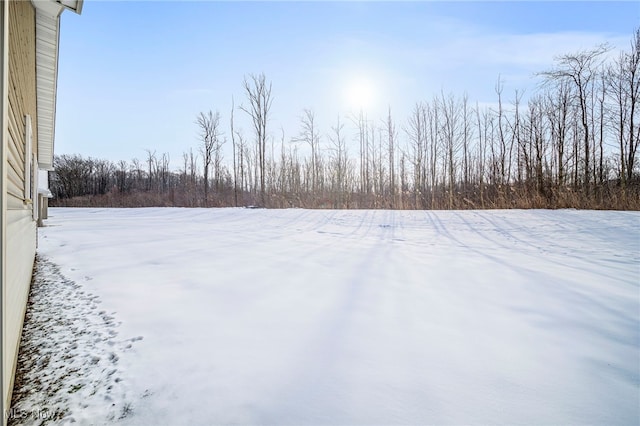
x=360, y=93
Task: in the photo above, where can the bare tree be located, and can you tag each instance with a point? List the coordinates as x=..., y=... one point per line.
x=309, y=135
x=451, y=110
x=258, y=94
x=235, y=173
x=579, y=69
x=362, y=124
x=632, y=75
x=537, y=135
x=241, y=160
x=505, y=152
x=209, y=125
x=623, y=81
x=338, y=163
x=466, y=139
x=432, y=120
x=122, y=176
x=558, y=114
x=416, y=130
x=483, y=130
x=151, y=159
x=390, y=129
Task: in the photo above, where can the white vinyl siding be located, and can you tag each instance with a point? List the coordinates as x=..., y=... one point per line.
x=20, y=228
x=27, y=157
x=34, y=186
x=15, y=160
x=20, y=234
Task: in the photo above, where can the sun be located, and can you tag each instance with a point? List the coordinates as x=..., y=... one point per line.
x=360, y=93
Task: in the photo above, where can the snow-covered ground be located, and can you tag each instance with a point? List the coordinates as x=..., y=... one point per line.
x=239, y=316
x=68, y=362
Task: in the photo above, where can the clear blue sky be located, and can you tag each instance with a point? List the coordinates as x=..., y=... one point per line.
x=134, y=75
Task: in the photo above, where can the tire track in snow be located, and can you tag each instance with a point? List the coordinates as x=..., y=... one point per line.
x=489, y=233
x=520, y=270
x=354, y=231
x=545, y=251
x=442, y=233
x=505, y=231
x=549, y=284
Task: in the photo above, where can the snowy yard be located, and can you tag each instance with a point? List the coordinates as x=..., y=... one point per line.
x=238, y=316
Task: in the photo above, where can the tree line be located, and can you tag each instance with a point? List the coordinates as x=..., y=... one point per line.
x=573, y=143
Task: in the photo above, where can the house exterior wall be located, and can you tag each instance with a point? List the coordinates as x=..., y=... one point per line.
x=20, y=231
